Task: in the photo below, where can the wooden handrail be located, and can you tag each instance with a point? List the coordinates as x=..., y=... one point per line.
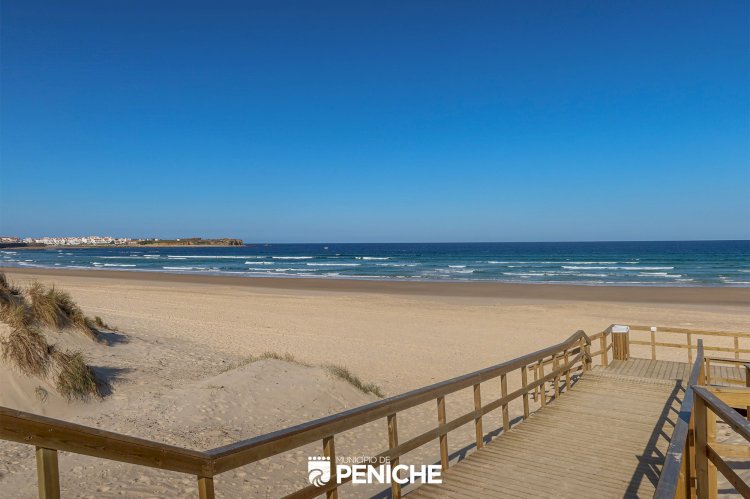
x=673, y=474
x=50, y=435
x=241, y=453
x=678, y=330
x=725, y=412
x=688, y=344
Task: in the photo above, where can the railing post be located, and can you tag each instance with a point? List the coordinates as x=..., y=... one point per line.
x=690, y=348
x=587, y=358
x=736, y=348
x=690, y=455
x=620, y=342
x=329, y=451
x=708, y=371
x=653, y=343
x=747, y=384
x=555, y=367
x=524, y=382
x=603, y=345
x=566, y=359
x=393, y=443
x=701, y=456
x=503, y=394
x=205, y=487
x=542, y=387
x=442, y=419
x=478, y=420
x=713, y=482
x=47, y=473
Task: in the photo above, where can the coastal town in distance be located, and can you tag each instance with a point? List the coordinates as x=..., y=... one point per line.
x=18, y=242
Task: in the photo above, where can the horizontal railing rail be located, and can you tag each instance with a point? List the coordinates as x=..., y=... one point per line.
x=549, y=366
x=691, y=335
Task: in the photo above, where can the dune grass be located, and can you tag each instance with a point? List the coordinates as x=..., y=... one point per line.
x=337, y=371
x=74, y=379
x=346, y=375
x=9, y=293
x=28, y=351
x=56, y=309
x=16, y=315
x=286, y=357
x=99, y=323
x=26, y=347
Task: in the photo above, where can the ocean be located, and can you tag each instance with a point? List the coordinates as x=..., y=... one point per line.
x=663, y=263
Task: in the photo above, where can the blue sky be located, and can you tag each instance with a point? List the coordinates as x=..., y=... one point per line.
x=376, y=121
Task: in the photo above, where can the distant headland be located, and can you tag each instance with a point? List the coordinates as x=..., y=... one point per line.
x=106, y=241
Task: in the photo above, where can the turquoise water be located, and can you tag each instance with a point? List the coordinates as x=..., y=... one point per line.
x=679, y=263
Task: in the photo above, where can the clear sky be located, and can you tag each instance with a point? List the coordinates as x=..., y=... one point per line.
x=376, y=121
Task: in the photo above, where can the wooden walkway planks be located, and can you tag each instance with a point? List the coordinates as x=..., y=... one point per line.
x=664, y=369
x=605, y=438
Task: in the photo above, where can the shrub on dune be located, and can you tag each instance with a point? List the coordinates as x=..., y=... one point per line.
x=26, y=347
x=56, y=309
x=74, y=379
x=28, y=351
x=44, y=306
x=16, y=315
x=9, y=294
x=346, y=375
x=99, y=323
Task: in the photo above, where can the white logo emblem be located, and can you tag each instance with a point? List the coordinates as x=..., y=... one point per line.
x=318, y=470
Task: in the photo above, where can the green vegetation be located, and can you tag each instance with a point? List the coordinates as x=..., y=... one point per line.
x=191, y=241
x=74, y=378
x=28, y=350
x=345, y=374
x=57, y=310
x=99, y=322
x=26, y=347
x=337, y=371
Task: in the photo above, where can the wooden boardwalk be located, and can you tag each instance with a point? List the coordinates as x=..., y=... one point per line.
x=606, y=437
x=587, y=431
x=664, y=369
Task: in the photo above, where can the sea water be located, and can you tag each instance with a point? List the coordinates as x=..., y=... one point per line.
x=675, y=263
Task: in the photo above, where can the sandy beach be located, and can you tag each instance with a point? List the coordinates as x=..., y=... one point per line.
x=180, y=374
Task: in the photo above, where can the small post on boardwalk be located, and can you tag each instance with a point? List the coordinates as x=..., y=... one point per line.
x=620, y=342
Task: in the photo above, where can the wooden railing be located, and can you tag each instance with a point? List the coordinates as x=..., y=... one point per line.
x=553, y=370
x=694, y=457
x=675, y=478
x=691, y=336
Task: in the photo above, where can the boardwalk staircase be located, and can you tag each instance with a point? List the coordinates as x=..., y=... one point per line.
x=601, y=423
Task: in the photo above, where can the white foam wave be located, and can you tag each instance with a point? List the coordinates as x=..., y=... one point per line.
x=132, y=257
x=119, y=265
x=184, y=268
x=292, y=257
x=212, y=257
x=372, y=258
x=590, y=263
x=587, y=267
x=457, y=266
x=658, y=274
x=333, y=264
x=255, y=262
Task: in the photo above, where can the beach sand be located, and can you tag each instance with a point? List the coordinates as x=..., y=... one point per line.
x=180, y=377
